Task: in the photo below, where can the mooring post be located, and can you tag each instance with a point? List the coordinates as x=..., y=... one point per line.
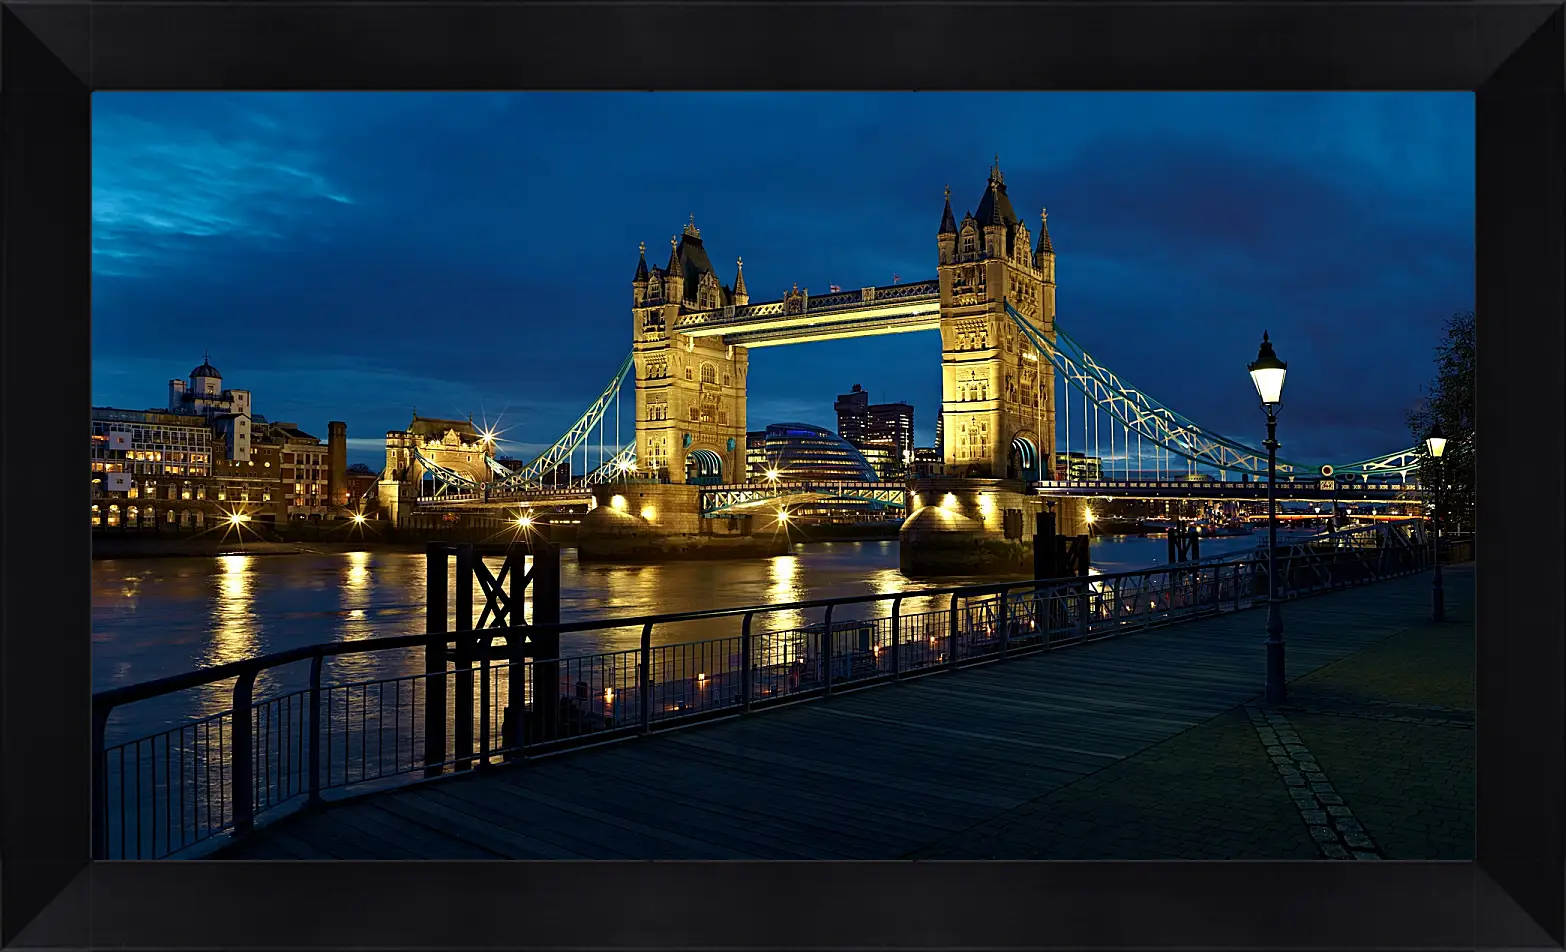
x=462, y=662
x=435, y=658
x=546, y=643
x=1044, y=545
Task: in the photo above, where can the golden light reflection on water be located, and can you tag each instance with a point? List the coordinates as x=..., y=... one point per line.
x=195, y=613
x=233, y=611
x=784, y=586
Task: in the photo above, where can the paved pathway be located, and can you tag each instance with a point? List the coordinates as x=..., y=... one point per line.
x=1146, y=746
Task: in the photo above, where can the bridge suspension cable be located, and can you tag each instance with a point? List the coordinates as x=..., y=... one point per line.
x=580, y=434
x=1167, y=430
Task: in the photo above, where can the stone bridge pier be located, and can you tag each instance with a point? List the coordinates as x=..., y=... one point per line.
x=976, y=527
x=657, y=522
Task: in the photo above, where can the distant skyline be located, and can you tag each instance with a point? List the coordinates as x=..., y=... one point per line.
x=355, y=255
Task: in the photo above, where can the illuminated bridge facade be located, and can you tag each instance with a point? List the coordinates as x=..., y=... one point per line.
x=1019, y=395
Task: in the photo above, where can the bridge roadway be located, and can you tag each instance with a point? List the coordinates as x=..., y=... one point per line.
x=885, y=772
x=740, y=496
x=1289, y=490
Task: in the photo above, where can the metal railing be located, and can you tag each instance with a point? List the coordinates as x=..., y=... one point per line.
x=162, y=793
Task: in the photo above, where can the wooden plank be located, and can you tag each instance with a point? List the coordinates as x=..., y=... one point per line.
x=663, y=844
x=728, y=779
x=878, y=772
x=416, y=805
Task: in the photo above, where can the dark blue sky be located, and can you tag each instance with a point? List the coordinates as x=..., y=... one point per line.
x=352, y=255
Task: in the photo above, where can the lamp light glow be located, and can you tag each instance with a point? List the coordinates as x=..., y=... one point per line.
x=1267, y=373
x=1436, y=441
x=524, y=522
x=618, y=502
x=359, y=518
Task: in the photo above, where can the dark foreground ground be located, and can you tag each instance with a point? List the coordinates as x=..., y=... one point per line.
x=1151, y=746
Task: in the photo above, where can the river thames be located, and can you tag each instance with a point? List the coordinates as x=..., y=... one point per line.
x=152, y=618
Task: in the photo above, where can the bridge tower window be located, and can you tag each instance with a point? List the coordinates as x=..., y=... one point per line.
x=709, y=374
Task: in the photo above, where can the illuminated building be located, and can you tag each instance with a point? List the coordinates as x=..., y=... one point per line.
x=854, y=416
x=228, y=410
x=883, y=432
x=800, y=451
x=756, y=456
x=208, y=455
x=1075, y=465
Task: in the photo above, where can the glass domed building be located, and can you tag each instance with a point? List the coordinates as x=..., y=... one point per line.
x=803, y=451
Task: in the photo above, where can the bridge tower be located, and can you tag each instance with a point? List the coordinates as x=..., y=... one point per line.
x=690, y=416
x=996, y=389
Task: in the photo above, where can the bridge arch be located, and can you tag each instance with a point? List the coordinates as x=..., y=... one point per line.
x=704, y=467
x=1023, y=459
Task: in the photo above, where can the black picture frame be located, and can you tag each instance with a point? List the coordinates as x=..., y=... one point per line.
x=54, y=54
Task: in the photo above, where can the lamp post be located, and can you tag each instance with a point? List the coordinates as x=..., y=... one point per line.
x=1436, y=443
x=488, y=437
x=1267, y=374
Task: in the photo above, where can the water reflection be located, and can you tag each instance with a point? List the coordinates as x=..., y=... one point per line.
x=233, y=618
x=190, y=613
x=784, y=586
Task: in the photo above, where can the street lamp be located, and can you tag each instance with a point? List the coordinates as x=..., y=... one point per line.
x=488, y=436
x=1436, y=443
x=1267, y=373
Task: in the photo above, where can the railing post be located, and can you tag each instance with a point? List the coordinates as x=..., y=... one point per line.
x=100, y=784
x=435, y=573
x=952, y=633
x=897, y=637
x=747, y=675
x=1003, y=622
x=314, y=782
x=645, y=687
x=462, y=668
x=242, y=769
x=1082, y=608
x=826, y=652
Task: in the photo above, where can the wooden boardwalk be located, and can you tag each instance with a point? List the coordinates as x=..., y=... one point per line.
x=872, y=774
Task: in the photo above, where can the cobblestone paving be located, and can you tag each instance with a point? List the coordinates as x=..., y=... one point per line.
x=1208, y=793
x=1394, y=726
x=1380, y=752
x=1329, y=819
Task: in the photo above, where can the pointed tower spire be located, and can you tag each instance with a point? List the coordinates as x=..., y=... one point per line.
x=674, y=256
x=1044, y=247
x=948, y=226
x=742, y=297
x=641, y=274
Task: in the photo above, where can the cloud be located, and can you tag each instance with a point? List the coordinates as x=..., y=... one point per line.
x=161, y=189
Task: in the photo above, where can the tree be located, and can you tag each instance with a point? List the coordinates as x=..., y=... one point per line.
x=1450, y=402
x=360, y=469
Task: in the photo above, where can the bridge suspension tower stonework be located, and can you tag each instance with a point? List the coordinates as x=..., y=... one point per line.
x=690, y=390
x=999, y=418
x=993, y=303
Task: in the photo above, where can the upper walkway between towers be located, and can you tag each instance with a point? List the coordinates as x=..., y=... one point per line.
x=935, y=765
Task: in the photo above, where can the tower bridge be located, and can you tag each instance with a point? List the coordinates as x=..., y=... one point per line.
x=1020, y=399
